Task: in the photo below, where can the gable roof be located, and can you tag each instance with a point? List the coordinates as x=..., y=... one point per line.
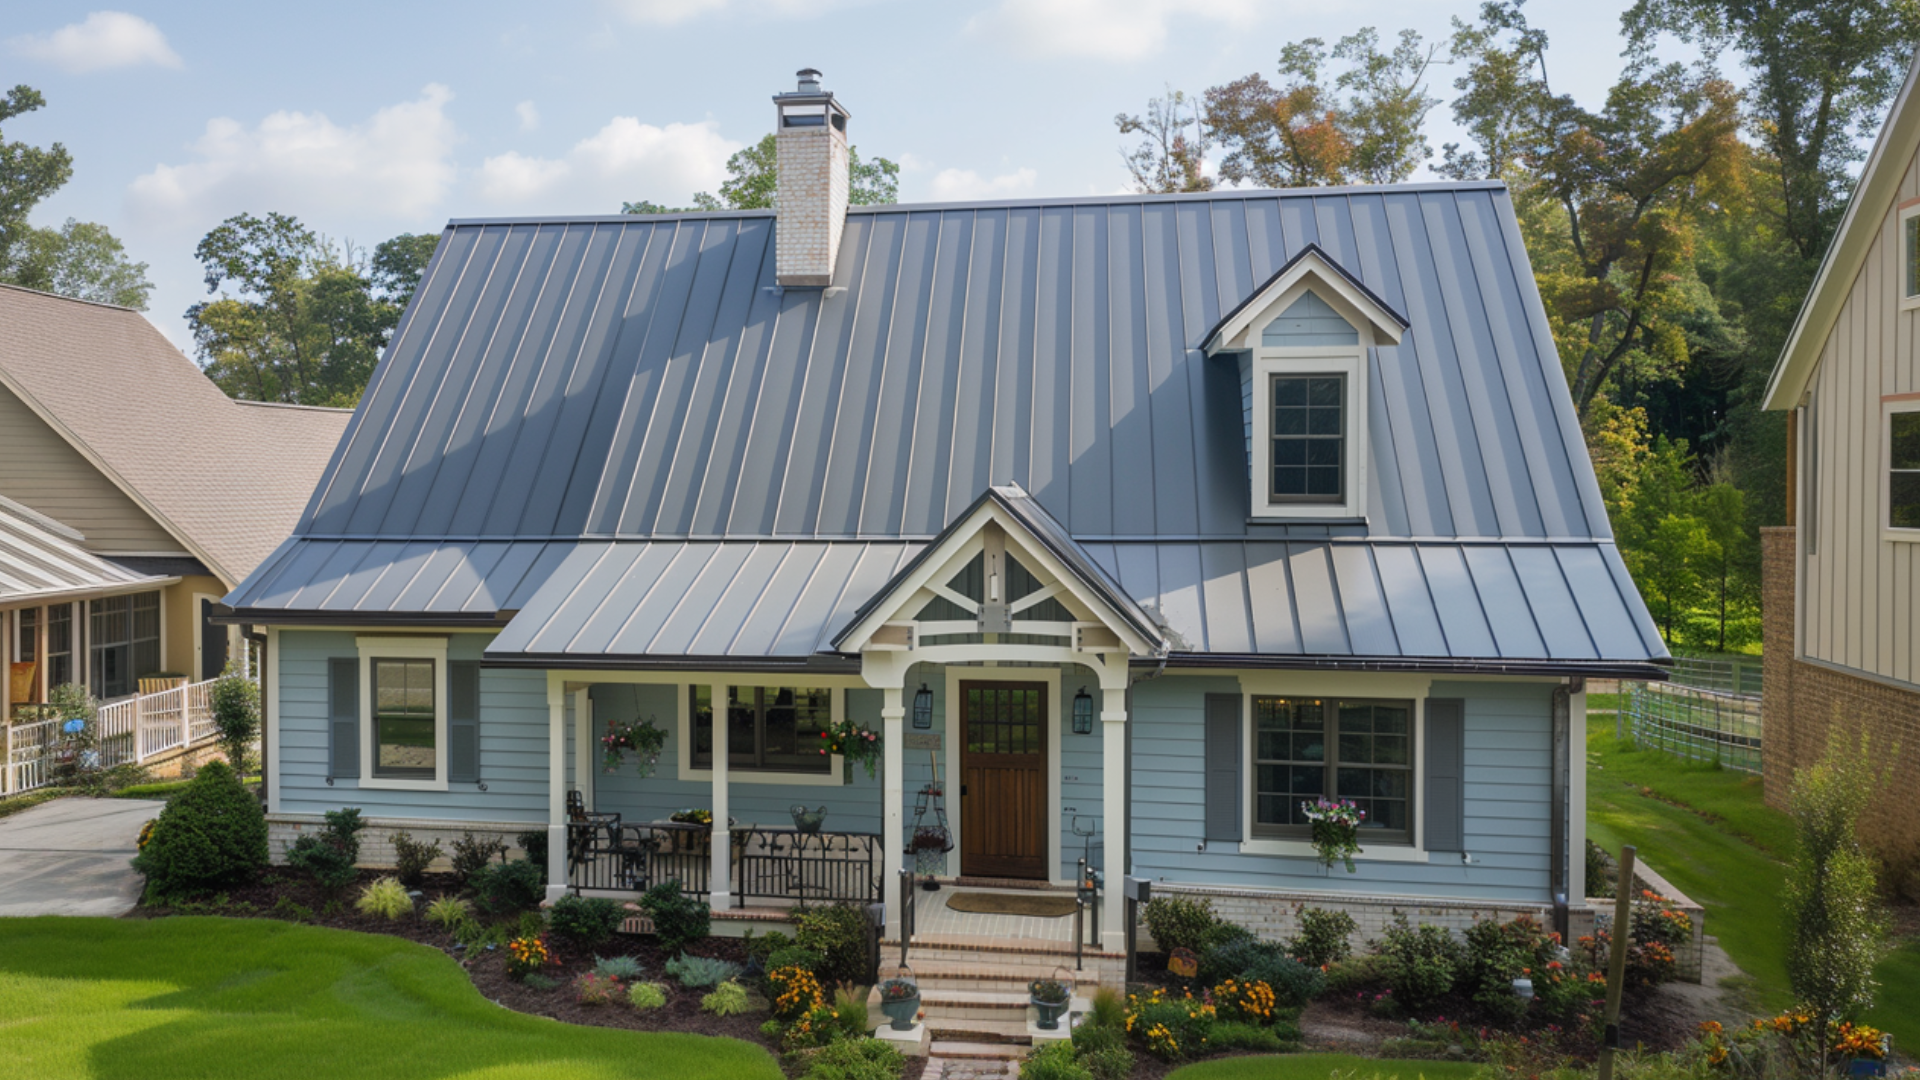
x=227, y=479
x=1312, y=262
x=1873, y=198
x=41, y=559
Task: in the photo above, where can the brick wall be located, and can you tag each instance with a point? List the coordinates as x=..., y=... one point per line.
x=813, y=186
x=376, y=840
x=1804, y=703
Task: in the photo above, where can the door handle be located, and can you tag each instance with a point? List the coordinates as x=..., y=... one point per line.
x=963, y=791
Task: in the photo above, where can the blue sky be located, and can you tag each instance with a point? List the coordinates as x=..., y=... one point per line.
x=371, y=119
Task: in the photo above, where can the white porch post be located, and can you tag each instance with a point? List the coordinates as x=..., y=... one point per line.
x=1113, y=778
x=721, y=873
x=556, y=787
x=583, y=746
x=892, y=794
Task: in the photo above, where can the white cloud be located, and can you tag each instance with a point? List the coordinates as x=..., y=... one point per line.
x=670, y=12
x=956, y=185
x=398, y=162
x=106, y=39
x=529, y=116
x=1105, y=29
x=625, y=160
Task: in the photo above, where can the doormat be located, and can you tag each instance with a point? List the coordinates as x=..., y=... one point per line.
x=1034, y=905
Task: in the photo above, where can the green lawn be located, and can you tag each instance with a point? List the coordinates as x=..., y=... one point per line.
x=1723, y=847
x=1320, y=1066
x=108, y=999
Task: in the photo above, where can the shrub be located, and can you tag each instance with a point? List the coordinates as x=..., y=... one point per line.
x=1251, y=960
x=536, y=981
x=322, y=860
x=1182, y=922
x=586, y=922
x=1498, y=953
x=504, y=888
x=624, y=968
x=1090, y=1036
x=1106, y=1009
x=472, y=853
x=679, y=920
x=411, y=858
x=593, y=988
x=794, y=956
x=819, y=1027
x=449, y=912
x=839, y=934
x=1325, y=937
x=234, y=701
x=1111, y=1063
x=1600, y=871
x=526, y=955
x=1356, y=973
x=761, y=947
x=699, y=972
x=534, y=843
x=1243, y=1036
x=647, y=995
x=727, y=999
x=1054, y=1061
x=386, y=898
x=210, y=836
x=1420, y=963
x=855, y=1059
x=794, y=992
x=343, y=830
x=850, y=1011
x=1170, y=1028
x=1252, y=1001
x=291, y=910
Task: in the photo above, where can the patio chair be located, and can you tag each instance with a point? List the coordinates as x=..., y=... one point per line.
x=599, y=833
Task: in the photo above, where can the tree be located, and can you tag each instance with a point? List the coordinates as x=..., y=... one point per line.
x=1822, y=71
x=1173, y=145
x=1504, y=97
x=752, y=173
x=81, y=259
x=235, y=703
x=1301, y=134
x=306, y=319
x=28, y=174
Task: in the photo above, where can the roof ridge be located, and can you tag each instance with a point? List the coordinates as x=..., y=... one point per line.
x=71, y=299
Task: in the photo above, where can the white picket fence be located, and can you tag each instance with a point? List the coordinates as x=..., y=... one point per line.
x=136, y=729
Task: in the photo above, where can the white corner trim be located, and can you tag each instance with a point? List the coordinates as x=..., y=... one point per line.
x=271, y=766
x=403, y=648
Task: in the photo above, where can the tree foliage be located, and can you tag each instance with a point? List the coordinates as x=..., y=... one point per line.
x=752, y=174
x=299, y=319
x=1172, y=152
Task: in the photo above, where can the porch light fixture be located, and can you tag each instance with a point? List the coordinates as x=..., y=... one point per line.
x=1083, y=712
x=923, y=708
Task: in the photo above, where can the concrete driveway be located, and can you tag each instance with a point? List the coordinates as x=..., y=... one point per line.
x=69, y=857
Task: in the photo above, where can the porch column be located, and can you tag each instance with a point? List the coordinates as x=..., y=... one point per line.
x=720, y=873
x=556, y=787
x=1113, y=780
x=583, y=748
x=893, y=755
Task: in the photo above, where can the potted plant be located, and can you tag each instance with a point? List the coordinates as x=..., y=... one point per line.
x=687, y=840
x=1050, y=998
x=642, y=738
x=808, y=821
x=930, y=846
x=853, y=743
x=1336, y=830
x=900, y=1000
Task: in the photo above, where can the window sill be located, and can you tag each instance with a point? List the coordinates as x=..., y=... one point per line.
x=1333, y=518
x=830, y=778
x=378, y=783
x=1899, y=536
x=1301, y=849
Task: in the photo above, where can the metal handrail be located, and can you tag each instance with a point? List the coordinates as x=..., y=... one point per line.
x=908, y=909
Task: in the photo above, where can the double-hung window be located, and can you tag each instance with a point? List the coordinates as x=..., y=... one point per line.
x=1309, y=435
x=405, y=734
x=1910, y=255
x=403, y=687
x=1903, y=467
x=769, y=728
x=1358, y=749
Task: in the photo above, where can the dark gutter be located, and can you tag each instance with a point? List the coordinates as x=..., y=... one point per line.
x=490, y=620
x=1642, y=670
x=815, y=664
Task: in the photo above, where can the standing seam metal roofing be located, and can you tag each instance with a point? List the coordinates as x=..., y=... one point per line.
x=39, y=558
x=644, y=380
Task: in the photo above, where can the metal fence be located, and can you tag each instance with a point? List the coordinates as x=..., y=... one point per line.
x=1710, y=711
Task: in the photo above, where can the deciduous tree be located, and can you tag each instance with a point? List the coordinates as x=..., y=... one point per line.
x=1172, y=152
x=752, y=173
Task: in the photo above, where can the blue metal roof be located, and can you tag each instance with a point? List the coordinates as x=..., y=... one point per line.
x=644, y=380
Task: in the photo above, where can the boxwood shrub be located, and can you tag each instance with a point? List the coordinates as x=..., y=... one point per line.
x=211, y=836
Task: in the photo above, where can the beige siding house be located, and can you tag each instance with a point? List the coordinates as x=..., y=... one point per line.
x=1842, y=577
x=133, y=495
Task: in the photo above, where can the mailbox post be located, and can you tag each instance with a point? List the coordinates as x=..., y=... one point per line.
x=1136, y=891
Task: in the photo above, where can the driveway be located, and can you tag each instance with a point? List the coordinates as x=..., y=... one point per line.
x=69, y=857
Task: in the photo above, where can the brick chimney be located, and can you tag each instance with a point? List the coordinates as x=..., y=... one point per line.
x=811, y=182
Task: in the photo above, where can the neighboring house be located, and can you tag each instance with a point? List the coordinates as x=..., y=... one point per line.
x=1140, y=517
x=133, y=496
x=1842, y=578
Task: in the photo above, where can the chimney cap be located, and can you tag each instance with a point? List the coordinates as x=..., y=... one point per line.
x=809, y=80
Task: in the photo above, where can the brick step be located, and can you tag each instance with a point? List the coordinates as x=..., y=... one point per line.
x=1053, y=952
x=948, y=1029
x=974, y=1004
x=965, y=974
x=939, y=1068
x=978, y=1051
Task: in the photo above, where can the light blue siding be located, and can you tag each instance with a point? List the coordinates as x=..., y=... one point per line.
x=513, y=740
x=1082, y=790
x=1508, y=789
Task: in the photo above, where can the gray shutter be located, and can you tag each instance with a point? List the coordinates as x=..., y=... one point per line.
x=1225, y=738
x=343, y=718
x=1446, y=801
x=463, y=722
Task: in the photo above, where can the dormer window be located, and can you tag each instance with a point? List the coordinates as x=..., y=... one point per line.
x=1304, y=341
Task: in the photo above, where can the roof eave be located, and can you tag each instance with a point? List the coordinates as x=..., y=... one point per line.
x=1650, y=670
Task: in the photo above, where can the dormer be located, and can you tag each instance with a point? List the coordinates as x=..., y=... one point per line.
x=1302, y=341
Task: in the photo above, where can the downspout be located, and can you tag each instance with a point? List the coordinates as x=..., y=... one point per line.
x=1557, y=872
x=249, y=633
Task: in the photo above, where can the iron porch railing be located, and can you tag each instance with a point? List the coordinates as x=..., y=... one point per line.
x=605, y=855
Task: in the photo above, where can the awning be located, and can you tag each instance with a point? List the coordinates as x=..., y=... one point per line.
x=42, y=560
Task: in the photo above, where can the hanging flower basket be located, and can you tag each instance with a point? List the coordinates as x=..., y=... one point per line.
x=1336, y=830
x=854, y=743
x=642, y=738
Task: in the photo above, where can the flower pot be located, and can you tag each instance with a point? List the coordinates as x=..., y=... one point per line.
x=901, y=1011
x=1050, y=1012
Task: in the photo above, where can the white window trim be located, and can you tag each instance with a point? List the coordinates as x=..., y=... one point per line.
x=403, y=648
x=1907, y=213
x=831, y=778
x=1350, y=361
x=1900, y=403
x=1337, y=685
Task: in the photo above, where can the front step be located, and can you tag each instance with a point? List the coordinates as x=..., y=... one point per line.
x=964, y=974
x=975, y=1004
x=946, y=1028
x=978, y=1051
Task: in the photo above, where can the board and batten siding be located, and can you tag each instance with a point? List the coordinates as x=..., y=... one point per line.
x=1860, y=599
x=1508, y=782
x=513, y=740
x=42, y=471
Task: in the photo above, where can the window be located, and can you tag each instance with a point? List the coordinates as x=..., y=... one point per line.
x=1309, y=438
x=1356, y=749
x=26, y=635
x=404, y=719
x=1910, y=250
x=59, y=645
x=123, y=642
x=769, y=729
x=1903, y=464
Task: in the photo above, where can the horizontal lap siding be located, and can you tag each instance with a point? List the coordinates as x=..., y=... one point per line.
x=513, y=741
x=1082, y=792
x=1508, y=790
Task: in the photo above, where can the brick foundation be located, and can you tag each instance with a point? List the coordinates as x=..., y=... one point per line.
x=376, y=840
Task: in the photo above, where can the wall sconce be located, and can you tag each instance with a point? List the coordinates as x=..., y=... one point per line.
x=1083, y=712
x=923, y=708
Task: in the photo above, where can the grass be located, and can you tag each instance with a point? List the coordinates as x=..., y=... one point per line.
x=28, y=800
x=1320, y=1066
x=1709, y=832
x=115, y=999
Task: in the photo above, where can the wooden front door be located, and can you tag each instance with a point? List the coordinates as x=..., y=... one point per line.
x=1003, y=779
